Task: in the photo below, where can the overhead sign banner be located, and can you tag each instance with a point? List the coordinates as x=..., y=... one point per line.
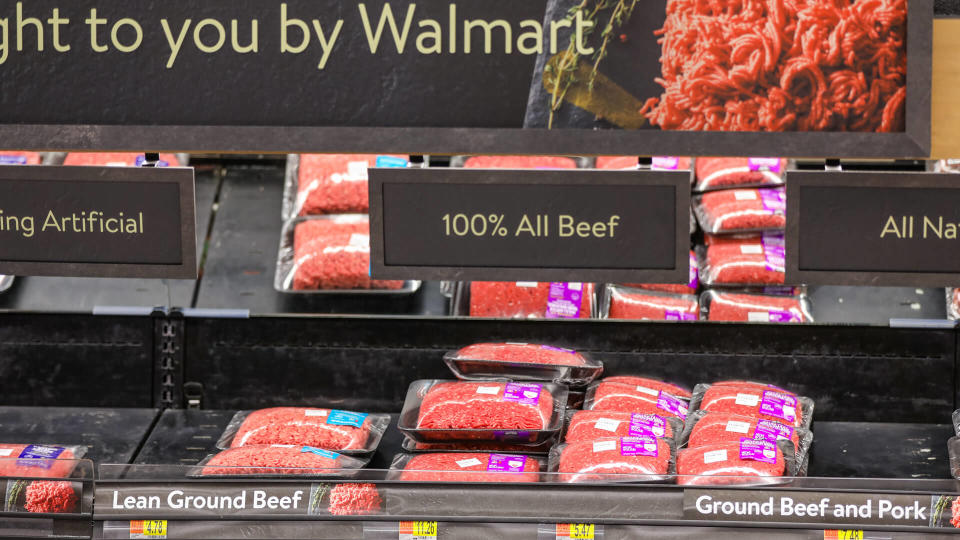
x=446, y=76
x=497, y=225
x=877, y=228
x=97, y=222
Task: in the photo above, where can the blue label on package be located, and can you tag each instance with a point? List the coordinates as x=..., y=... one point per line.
x=320, y=452
x=142, y=159
x=13, y=160
x=346, y=418
x=390, y=162
x=39, y=456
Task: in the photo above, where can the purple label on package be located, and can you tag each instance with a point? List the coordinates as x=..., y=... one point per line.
x=647, y=425
x=638, y=446
x=778, y=316
x=776, y=258
x=506, y=463
x=526, y=393
x=774, y=200
x=671, y=404
x=769, y=430
x=671, y=315
x=765, y=164
x=694, y=272
x=13, y=160
x=558, y=349
x=666, y=163
x=779, y=405
x=773, y=239
x=39, y=456
x=754, y=450
x=564, y=300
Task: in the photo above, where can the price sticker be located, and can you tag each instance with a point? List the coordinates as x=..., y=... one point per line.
x=418, y=530
x=843, y=534
x=576, y=531
x=148, y=528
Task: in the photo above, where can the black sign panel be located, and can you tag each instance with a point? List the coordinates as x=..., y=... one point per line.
x=97, y=221
x=854, y=228
x=537, y=225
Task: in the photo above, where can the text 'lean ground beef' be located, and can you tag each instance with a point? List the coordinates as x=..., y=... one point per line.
x=464, y=467
x=630, y=458
x=491, y=405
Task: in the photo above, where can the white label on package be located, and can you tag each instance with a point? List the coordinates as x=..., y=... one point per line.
x=283, y=446
x=489, y=390
x=357, y=170
x=745, y=195
x=360, y=240
x=736, y=426
x=749, y=400
x=607, y=424
x=472, y=462
x=758, y=316
x=526, y=284
x=316, y=412
x=604, y=446
x=574, y=286
x=648, y=391
x=5, y=452
x=714, y=456
x=751, y=249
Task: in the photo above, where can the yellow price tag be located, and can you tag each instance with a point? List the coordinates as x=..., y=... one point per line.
x=576, y=531
x=843, y=534
x=149, y=528
x=418, y=530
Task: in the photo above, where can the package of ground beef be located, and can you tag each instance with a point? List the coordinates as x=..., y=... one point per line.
x=592, y=425
x=726, y=306
x=953, y=304
x=642, y=458
x=414, y=447
x=280, y=460
x=39, y=460
x=639, y=304
x=741, y=210
x=768, y=403
x=682, y=288
x=630, y=162
x=460, y=411
x=647, y=385
x=346, y=432
x=331, y=183
x=10, y=157
x=515, y=162
x=652, y=397
x=747, y=461
x=523, y=362
x=309, y=229
x=117, y=159
x=742, y=264
x=531, y=299
x=466, y=467
x=703, y=428
x=732, y=172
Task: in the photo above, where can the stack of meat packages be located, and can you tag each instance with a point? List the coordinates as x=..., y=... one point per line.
x=525, y=299
x=498, y=420
x=652, y=301
x=741, y=207
x=640, y=429
x=326, y=208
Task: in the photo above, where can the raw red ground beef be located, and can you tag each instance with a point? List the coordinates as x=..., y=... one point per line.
x=53, y=497
x=60, y=467
x=750, y=401
x=717, y=427
x=720, y=463
x=592, y=425
x=114, y=159
x=760, y=386
x=737, y=307
x=300, y=426
x=336, y=261
x=522, y=353
x=524, y=300
x=519, y=162
x=469, y=405
x=689, y=288
x=955, y=513
x=311, y=229
x=650, y=384
x=631, y=162
x=637, y=457
x=731, y=172
x=636, y=304
x=742, y=210
x=460, y=467
x=610, y=396
x=355, y=500
x=743, y=264
x=19, y=158
x=273, y=460
x=334, y=183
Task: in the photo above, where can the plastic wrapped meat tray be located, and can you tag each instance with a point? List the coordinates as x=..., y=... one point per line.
x=525, y=299
x=747, y=461
x=593, y=425
x=643, y=458
x=466, y=467
x=741, y=210
x=345, y=432
x=653, y=397
x=732, y=172
x=638, y=304
x=522, y=361
x=39, y=460
x=769, y=403
x=675, y=288
x=460, y=411
x=725, y=306
x=330, y=255
x=279, y=460
x=753, y=262
x=414, y=447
